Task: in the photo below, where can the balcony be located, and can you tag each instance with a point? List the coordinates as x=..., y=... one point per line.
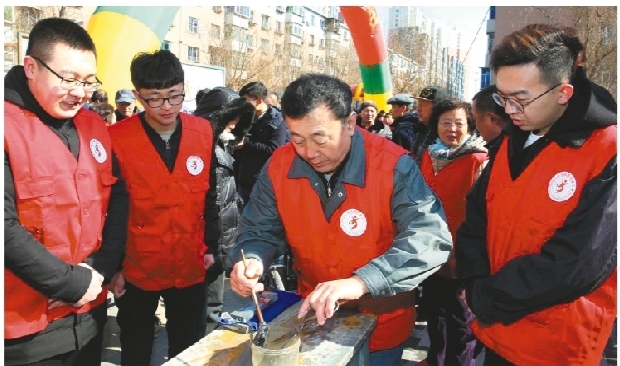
x=280, y=9
x=332, y=25
x=234, y=19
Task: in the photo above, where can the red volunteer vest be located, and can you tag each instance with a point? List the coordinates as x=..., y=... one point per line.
x=565, y=334
x=360, y=229
x=61, y=201
x=451, y=184
x=165, y=231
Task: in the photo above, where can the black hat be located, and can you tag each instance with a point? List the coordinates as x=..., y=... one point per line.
x=433, y=94
x=400, y=99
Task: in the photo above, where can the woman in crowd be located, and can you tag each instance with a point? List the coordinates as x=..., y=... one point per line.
x=231, y=117
x=450, y=166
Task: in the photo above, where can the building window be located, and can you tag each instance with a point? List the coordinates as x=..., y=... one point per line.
x=312, y=40
x=295, y=29
x=192, y=54
x=243, y=11
x=193, y=25
x=278, y=48
x=278, y=27
x=265, y=22
x=215, y=31
x=238, y=34
x=322, y=43
x=264, y=44
x=249, y=40
x=322, y=24
x=165, y=45
x=310, y=58
x=312, y=20
x=491, y=42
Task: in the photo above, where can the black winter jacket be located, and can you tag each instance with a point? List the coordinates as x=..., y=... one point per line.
x=230, y=204
x=268, y=133
x=579, y=257
x=404, y=130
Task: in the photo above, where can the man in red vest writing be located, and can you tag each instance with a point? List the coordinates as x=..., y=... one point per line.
x=361, y=221
x=58, y=174
x=172, y=224
x=538, y=246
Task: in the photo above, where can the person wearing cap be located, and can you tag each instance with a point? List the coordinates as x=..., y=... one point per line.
x=427, y=98
x=405, y=123
x=368, y=112
x=125, y=104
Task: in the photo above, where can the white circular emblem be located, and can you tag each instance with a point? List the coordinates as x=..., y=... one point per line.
x=99, y=153
x=194, y=165
x=353, y=222
x=562, y=186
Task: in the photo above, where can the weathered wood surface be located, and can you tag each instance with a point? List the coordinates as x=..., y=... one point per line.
x=333, y=343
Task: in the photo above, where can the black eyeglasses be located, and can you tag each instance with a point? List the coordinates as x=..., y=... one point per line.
x=158, y=102
x=70, y=84
x=515, y=104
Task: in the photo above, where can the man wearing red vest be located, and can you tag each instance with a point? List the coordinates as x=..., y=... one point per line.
x=537, y=249
x=58, y=173
x=362, y=224
x=172, y=224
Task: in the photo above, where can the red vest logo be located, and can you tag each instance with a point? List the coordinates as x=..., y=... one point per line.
x=353, y=222
x=194, y=165
x=562, y=186
x=98, y=151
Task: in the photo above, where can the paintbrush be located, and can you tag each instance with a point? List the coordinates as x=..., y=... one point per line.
x=263, y=329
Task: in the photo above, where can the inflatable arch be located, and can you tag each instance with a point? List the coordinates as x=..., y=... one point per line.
x=119, y=32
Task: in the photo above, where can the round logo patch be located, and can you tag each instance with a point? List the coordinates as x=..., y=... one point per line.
x=99, y=153
x=353, y=222
x=194, y=165
x=562, y=186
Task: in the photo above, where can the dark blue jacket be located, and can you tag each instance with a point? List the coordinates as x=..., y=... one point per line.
x=404, y=130
x=268, y=133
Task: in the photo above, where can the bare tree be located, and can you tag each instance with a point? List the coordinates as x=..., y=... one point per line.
x=409, y=61
x=597, y=29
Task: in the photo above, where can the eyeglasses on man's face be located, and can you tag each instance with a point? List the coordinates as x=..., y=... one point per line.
x=158, y=102
x=70, y=84
x=514, y=104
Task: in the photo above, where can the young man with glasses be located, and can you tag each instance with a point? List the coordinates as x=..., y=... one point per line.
x=538, y=247
x=172, y=224
x=58, y=174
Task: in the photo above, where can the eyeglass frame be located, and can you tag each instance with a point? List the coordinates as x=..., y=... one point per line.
x=455, y=124
x=163, y=100
x=87, y=85
x=497, y=101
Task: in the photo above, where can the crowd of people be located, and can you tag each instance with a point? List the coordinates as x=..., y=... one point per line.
x=494, y=220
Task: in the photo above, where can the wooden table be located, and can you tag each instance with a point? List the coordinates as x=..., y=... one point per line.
x=342, y=340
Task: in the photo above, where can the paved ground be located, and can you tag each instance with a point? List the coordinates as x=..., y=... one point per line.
x=415, y=350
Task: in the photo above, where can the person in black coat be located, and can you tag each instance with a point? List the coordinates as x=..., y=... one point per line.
x=268, y=132
x=231, y=119
x=405, y=123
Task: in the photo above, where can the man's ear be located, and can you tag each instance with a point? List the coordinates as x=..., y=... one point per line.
x=566, y=92
x=29, y=66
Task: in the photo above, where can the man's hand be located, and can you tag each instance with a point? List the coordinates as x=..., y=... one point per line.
x=94, y=289
x=464, y=299
x=239, y=145
x=117, y=285
x=243, y=280
x=208, y=260
x=326, y=296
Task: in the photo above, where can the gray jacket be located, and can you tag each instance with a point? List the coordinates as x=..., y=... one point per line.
x=422, y=244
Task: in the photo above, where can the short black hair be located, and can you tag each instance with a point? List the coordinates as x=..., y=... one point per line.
x=99, y=96
x=255, y=89
x=554, y=49
x=105, y=110
x=486, y=104
x=450, y=104
x=160, y=69
x=311, y=90
x=48, y=32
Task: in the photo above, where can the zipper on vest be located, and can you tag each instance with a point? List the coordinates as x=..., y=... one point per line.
x=168, y=154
